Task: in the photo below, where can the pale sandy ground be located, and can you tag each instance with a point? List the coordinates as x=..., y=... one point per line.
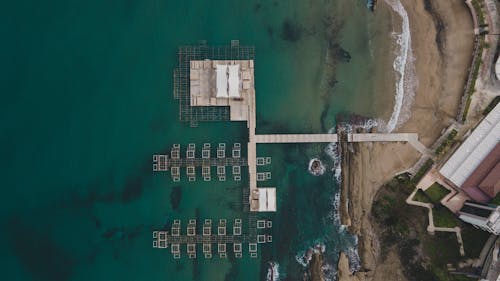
x=441, y=76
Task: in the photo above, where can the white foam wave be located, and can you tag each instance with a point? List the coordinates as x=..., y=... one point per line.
x=406, y=81
x=367, y=125
x=304, y=257
x=332, y=151
x=329, y=272
x=353, y=257
x=334, y=213
x=273, y=272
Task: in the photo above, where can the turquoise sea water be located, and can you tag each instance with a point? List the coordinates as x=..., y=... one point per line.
x=87, y=99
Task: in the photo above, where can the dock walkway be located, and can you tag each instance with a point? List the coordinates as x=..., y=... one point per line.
x=411, y=138
x=296, y=138
x=198, y=162
x=319, y=138
x=211, y=239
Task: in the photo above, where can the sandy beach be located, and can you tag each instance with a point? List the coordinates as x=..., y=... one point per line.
x=442, y=41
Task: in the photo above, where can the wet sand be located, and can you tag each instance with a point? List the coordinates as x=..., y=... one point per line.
x=442, y=39
x=442, y=47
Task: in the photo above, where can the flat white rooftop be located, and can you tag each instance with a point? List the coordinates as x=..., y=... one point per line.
x=223, y=83
x=267, y=199
x=474, y=149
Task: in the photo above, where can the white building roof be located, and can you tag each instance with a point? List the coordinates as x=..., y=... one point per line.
x=494, y=221
x=234, y=81
x=474, y=149
x=267, y=199
x=221, y=76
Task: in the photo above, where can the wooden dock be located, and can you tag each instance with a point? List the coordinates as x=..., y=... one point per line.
x=196, y=162
x=328, y=138
x=258, y=232
x=296, y=138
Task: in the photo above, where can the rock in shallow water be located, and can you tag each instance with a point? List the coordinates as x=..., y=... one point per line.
x=316, y=167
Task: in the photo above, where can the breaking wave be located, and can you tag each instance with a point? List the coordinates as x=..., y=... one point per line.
x=332, y=151
x=334, y=213
x=353, y=257
x=273, y=272
x=365, y=125
x=406, y=80
x=304, y=257
x=329, y=272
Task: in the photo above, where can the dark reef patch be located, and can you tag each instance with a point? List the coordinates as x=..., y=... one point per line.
x=39, y=253
x=340, y=53
x=133, y=189
x=291, y=31
x=257, y=7
x=324, y=114
x=101, y=190
x=275, y=127
x=270, y=31
x=233, y=272
x=288, y=210
x=175, y=197
x=113, y=233
x=97, y=190
x=96, y=221
x=121, y=233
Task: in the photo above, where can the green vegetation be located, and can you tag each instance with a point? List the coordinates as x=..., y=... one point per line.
x=441, y=249
x=496, y=200
x=436, y=192
x=475, y=74
x=447, y=143
x=474, y=240
x=443, y=217
x=420, y=196
x=478, y=7
x=479, y=12
x=492, y=105
x=389, y=209
x=426, y=167
x=402, y=228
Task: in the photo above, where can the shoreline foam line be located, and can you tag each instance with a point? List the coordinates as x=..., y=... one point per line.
x=403, y=65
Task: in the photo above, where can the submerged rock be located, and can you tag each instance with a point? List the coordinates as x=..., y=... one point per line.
x=341, y=54
x=291, y=31
x=175, y=197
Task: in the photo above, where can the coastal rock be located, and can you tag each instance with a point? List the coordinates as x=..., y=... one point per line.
x=316, y=268
x=344, y=272
x=316, y=167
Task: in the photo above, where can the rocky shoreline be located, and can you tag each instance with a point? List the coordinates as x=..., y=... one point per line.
x=366, y=167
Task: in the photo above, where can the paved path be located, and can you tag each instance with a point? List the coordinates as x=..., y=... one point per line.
x=411, y=138
x=252, y=152
x=296, y=138
x=431, y=228
x=474, y=16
